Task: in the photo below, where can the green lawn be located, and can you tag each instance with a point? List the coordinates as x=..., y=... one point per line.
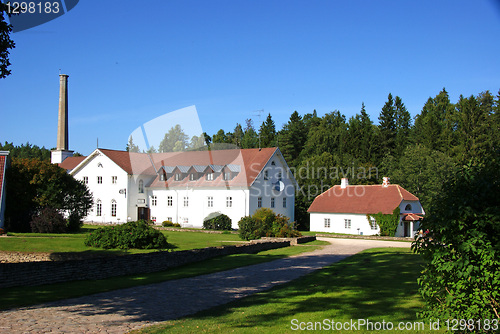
x=25, y=296
x=64, y=243
x=376, y=285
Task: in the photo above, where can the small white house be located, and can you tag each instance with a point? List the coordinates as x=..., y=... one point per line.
x=185, y=187
x=345, y=209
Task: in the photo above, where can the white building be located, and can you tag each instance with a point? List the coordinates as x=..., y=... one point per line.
x=346, y=209
x=184, y=187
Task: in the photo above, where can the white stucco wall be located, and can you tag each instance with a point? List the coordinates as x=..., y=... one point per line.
x=100, y=165
x=265, y=189
x=359, y=223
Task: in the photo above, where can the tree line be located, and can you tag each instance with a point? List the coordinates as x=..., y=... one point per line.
x=418, y=153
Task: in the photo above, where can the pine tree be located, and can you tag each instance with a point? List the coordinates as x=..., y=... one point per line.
x=267, y=133
x=387, y=126
x=403, y=125
x=250, y=138
x=292, y=139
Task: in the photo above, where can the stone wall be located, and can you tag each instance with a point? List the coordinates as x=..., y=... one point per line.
x=47, y=272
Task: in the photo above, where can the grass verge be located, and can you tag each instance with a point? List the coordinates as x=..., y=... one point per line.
x=376, y=285
x=25, y=296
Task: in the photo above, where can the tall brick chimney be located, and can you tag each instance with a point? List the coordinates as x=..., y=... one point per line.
x=62, y=149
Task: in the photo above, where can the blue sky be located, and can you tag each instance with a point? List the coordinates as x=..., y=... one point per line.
x=128, y=64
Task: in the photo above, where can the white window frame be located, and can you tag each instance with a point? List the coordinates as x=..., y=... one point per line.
x=186, y=201
x=114, y=179
x=99, y=180
x=86, y=179
x=347, y=224
x=140, y=187
x=98, y=208
x=210, y=176
x=259, y=202
x=229, y=202
x=113, y=208
x=373, y=224
x=327, y=223
x=170, y=201
x=210, y=201
x=154, y=200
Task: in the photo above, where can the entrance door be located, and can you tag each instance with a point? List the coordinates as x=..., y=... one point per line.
x=143, y=213
x=407, y=229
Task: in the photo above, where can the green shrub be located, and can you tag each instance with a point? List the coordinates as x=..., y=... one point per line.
x=137, y=235
x=217, y=221
x=168, y=223
x=388, y=223
x=248, y=228
x=49, y=220
x=265, y=223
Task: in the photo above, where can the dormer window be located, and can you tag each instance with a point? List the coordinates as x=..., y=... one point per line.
x=266, y=175
x=177, y=177
x=273, y=163
x=210, y=176
x=227, y=176
x=162, y=177
x=408, y=207
x=191, y=177
x=141, y=187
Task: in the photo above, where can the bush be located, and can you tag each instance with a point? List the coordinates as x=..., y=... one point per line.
x=265, y=223
x=462, y=249
x=137, y=235
x=249, y=228
x=49, y=220
x=217, y=221
x=168, y=223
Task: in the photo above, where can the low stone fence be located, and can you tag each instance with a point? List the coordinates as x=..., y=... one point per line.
x=47, y=272
x=293, y=241
x=367, y=237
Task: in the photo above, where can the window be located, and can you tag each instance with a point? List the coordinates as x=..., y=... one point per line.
x=186, y=220
x=113, y=208
x=259, y=202
x=210, y=176
x=273, y=163
x=347, y=223
x=141, y=187
x=210, y=201
x=272, y=202
x=191, y=177
x=169, y=201
x=114, y=179
x=169, y=219
x=177, y=177
x=266, y=175
x=279, y=175
x=153, y=219
x=229, y=202
x=186, y=201
x=373, y=224
x=284, y=202
x=327, y=222
x=98, y=208
x=154, y=200
x=408, y=207
x=227, y=176
x=86, y=179
x=99, y=180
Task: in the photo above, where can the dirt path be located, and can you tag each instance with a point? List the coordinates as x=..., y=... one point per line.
x=120, y=311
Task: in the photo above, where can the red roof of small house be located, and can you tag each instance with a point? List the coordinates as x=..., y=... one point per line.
x=71, y=162
x=361, y=199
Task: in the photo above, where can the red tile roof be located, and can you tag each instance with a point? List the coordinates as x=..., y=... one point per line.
x=361, y=199
x=71, y=162
x=251, y=162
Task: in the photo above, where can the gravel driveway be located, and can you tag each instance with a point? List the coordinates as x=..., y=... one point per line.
x=122, y=310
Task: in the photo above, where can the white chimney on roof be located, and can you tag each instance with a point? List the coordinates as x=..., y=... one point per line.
x=385, y=181
x=344, y=182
